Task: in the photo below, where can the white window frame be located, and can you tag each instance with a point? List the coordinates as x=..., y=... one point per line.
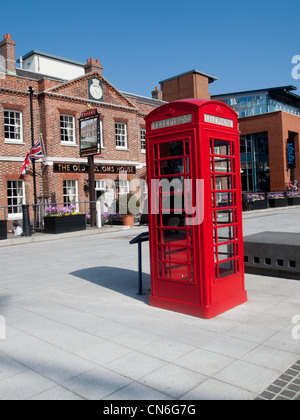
x=70, y=131
x=143, y=140
x=124, y=186
x=16, y=126
x=21, y=198
x=66, y=196
x=121, y=135
x=101, y=135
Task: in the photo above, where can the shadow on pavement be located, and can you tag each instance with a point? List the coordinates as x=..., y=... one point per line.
x=117, y=279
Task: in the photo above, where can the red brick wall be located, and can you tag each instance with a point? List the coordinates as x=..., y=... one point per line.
x=277, y=124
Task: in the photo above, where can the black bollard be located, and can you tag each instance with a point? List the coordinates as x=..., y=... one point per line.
x=26, y=220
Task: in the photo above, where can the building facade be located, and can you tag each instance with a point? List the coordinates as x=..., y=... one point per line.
x=269, y=123
x=57, y=105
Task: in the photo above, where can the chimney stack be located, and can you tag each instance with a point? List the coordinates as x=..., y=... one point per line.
x=8, y=54
x=93, y=66
x=157, y=94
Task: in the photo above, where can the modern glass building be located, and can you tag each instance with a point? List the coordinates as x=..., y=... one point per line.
x=247, y=104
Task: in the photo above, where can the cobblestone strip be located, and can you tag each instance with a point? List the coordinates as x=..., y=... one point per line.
x=286, y=387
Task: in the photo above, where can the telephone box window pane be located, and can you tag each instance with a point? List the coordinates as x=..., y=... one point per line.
x=172, y=201
x=160, y=269
x=174, y=235
x=226, y=268
x=174, y=271
x=171, y=166
x=174, y=148
x=222, y=147
x=223, y=182
x=224, y=199
x=225, y=252
x=213, y=200
x=223, y=165
x=187, y=147
x=171, y=220
x=223, y=217
x=179, y=254
x=187, y=165
x=225, y=234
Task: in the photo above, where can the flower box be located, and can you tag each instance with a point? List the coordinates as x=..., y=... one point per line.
x=3, y=229
x=257, y=201
x=64, y=224
x=277, y=200
x=260, y=204
x=293, y=201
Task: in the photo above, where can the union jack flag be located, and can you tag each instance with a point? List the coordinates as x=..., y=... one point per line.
x=34, y=153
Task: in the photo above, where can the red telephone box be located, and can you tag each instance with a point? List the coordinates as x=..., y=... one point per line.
x=195, y=208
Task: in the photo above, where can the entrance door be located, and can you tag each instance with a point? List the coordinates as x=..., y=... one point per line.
x=174, y=261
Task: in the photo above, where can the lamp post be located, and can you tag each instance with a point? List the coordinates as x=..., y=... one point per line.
x=31, y=91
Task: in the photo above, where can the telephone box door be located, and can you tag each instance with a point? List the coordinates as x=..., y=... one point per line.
x=173, y=248
x=225, y=218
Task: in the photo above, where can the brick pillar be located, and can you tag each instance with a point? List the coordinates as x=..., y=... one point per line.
x=8, y=53
x=93, y=66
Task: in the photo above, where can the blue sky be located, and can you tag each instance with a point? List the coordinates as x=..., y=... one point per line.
x=246, y=45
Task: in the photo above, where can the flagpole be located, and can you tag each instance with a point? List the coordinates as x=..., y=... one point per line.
x=31, y=90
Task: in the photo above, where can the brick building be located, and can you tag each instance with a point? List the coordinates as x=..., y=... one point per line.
x=62, y=175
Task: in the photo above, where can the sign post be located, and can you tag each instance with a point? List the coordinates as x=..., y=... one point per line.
x=90, y=145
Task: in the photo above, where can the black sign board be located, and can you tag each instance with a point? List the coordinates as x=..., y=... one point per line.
x=291, y=157
x=98, y=169
x=89, y=132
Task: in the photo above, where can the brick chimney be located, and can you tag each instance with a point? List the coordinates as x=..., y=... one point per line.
x=8, y=53
x=93, y=66
x=157, y=94
x=193, y=84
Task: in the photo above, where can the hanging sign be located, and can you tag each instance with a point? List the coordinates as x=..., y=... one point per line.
x=89, y=133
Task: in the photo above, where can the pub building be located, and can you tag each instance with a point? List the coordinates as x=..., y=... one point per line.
x=64, y=90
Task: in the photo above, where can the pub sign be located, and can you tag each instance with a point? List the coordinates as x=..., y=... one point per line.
x=89, y=133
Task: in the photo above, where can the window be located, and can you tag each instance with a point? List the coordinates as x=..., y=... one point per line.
x=143, y=140
x=15, y=198
x=13, y=130
x=67, y=129
x=70, y=192
x=121, y=135
x=123, y=186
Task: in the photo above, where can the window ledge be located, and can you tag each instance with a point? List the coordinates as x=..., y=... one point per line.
x=122, y=149
x=13, y=142
x=69, y=144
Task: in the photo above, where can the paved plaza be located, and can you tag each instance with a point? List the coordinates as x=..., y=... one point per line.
x=76, y=329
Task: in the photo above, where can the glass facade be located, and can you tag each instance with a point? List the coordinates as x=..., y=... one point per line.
x=247, y=106
x=255, y=169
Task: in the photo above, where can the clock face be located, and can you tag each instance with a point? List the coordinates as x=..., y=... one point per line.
x=95, y=89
